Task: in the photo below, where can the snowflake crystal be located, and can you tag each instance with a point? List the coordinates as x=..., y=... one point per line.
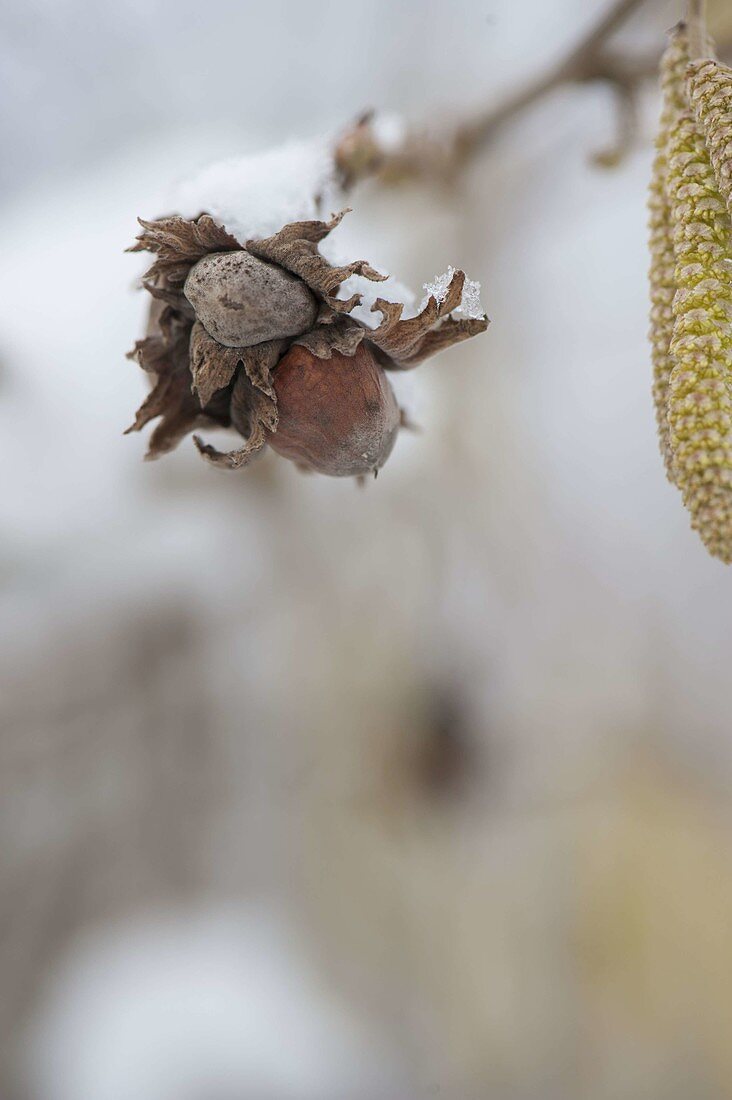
x=470, y=303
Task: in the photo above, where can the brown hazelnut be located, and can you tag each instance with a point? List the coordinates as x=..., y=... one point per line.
x=241, y=300
x=338, y=416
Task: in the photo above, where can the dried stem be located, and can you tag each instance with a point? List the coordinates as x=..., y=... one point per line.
x=424, y=155
x=696, y=21
x=585, y=62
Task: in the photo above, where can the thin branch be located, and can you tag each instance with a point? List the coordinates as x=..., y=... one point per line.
x=584, y=62
x=430, y=156
x=598, y=36
x=696, y=20
x=627, y=115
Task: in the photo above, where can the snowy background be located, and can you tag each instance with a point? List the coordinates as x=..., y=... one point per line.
x=312, y=792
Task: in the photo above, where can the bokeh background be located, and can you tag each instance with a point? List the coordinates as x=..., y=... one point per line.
x=313, y=792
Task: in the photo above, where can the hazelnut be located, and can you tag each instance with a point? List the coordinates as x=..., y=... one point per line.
x=241, y=300
x=337, y=416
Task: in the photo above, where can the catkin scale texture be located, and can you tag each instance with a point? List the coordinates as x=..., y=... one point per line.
x=710, y=96
x=663, y=258
x=700, y=389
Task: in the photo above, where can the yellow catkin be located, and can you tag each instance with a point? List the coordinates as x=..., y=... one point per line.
x=663, y=260
x=700, y=389
x=710, y=95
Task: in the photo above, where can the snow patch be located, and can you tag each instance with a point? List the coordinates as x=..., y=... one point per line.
x=256, y=195
x=391, y=289
x=390, y=131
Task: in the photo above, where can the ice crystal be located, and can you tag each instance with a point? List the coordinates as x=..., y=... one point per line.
x=437, y=289
x=470, y=303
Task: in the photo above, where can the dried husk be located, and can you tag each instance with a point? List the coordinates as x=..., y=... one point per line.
x=253, y=406
x=201, y=382
x=342, y=335
x=165, y=355
x=409, y=342
x=253, y=413
x=295, y=248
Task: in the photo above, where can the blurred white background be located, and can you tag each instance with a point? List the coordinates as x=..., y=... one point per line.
x=307, y=791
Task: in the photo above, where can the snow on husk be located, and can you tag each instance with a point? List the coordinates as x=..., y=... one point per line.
x=391, y=289
x=470, y=303
x=255, y=195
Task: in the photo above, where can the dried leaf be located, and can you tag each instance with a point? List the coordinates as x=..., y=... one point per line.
x=178, y=244
x=343, y=336
x=172, y=325
x=170, y=399
x=154, y=404
x=165, y=353
x=232, y=460
x=177, y=239
x=166, y=348
x=251, y=405
x=153, y=354
x=174, y=270
x=175, y=426
x=451, y=331
x=295, y=248
x=409, y=342
x=253, y=413
x=213, y=366
x=163, y=293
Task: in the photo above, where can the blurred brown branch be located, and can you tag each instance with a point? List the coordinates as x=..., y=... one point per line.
x=696, y=19
x=441, y=156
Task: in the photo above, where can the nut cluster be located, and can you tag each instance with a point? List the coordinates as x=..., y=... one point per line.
x=257, y=338
x=691, y=288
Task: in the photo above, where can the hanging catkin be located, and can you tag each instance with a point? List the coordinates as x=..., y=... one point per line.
x=699, y=398
x=663, y=259
x=710, y=94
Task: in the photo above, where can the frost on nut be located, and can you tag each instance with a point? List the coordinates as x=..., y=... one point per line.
x=201, y=382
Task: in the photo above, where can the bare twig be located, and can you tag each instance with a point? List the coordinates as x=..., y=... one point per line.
x=696, y=20
x=627, y=115
x=585, y=62
x=430, y=156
